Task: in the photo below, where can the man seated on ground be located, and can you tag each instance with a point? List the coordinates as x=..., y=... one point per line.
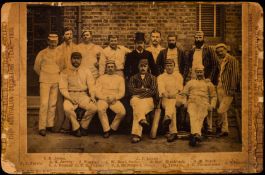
x=77, y=86
x=170, y=84
x=200, y=98
x=143, y=88
x=110, y=88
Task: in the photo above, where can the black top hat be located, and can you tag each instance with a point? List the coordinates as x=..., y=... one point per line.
x=139, y=36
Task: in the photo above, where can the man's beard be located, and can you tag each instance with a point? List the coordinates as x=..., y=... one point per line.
x=68, y=40
x=113, y=46
x=200, y=77
x=140, y=48
x=142, y=71
x=171, y=45
x=199, y=44
x=111, y=72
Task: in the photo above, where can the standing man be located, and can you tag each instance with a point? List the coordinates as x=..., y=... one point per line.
x=228, y=80
x=172, y=52
x=143, y=89
x=117, y=53
x=65, y=49
x=155, y=46
x=48, y=66
x=93, y=56
x=133, y=58
x=200, y=98
x=110, y=88
x=204, y=55
x=77, y=87
x=170, y=84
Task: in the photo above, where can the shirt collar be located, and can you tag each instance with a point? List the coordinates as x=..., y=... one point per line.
x=118, y=47
x=200, y=48
x=68, y=44
x=139, y=51
x=74, y=68
x=158, y=47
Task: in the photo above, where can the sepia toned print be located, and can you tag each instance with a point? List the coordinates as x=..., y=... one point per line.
x=108, y=87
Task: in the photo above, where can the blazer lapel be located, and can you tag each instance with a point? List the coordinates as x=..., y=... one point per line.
x=191, y=54
x=224, y=64
x=204, y=50
x=178, y=55
x=165, y=53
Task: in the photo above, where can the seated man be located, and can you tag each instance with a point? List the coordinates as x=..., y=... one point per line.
x=110, y=88
x=75, y=85
x=201, y=99
x=170, y=84
x=143, y=88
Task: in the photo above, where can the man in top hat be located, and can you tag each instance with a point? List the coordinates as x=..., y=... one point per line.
x=117, y=53
x=229, y=78
x=172, y=52
x=93, y=56
x=204, y=55
x=155, y=46
x=110, y=88
x=143, y=89
x=78, y=88
x=200, y=98
x=48, y=66
x=133, y=58
x=170, y=84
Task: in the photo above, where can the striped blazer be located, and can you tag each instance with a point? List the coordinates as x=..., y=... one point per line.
x=209, y=61
x=137, y=86
x=230, y=75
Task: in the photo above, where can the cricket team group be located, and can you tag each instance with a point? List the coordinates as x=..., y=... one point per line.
x=80, y=80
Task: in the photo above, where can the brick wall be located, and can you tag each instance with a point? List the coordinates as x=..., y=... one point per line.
x=126, y=19
x=104, y=18
x=233, y=25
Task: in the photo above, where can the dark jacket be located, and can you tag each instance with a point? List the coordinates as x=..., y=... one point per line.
x=162, y=56
x=209, y=61
x=230, y=76
x=132, y=61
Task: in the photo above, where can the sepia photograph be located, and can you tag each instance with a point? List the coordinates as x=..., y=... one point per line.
x=111, y=108
x=132, y=87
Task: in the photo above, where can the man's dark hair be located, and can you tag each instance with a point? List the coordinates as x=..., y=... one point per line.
x=172, y=35
x=76, y=54
x=67, y=29
x=156, y=31
x=112, y=36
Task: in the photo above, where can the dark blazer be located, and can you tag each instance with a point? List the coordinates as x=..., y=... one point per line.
x=230, y=76
x=132, y=60
x=162, y=56
x=209, y=61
